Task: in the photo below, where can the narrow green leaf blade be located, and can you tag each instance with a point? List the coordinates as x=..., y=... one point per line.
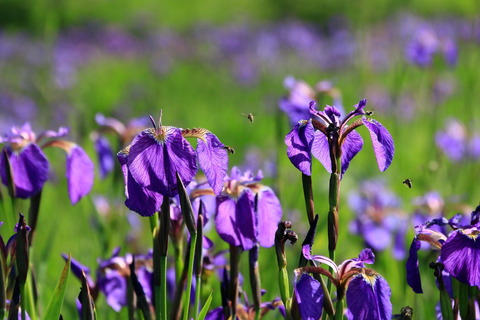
x=206, y=306
x=55, y=305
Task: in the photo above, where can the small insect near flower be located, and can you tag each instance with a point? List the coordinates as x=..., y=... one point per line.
x=408, y=183
x=230, y=149
x=249, y=116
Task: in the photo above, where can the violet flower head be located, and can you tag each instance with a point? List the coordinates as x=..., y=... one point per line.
x=330, y=139
x=151, y=161
x=378, y=218
x=426, y=43
x=24, y=163
x=247, y=211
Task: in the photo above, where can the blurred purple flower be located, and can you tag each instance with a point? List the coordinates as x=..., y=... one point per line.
x=456, y=143
x=28, y=166
x=150, y=164
x=426, y=43
x=378, y=218
x=329, y=138
x=247, y=212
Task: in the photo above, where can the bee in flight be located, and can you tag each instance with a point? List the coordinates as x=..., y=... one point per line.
x=229, y=149
x=249, y=116
x=408, y=183
x=369, y=113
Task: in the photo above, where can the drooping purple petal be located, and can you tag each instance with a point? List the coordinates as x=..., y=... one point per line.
x=368, y=297
x=141, y=200
x=413, y=274
x=79, y=173
x=104, y=155
x=382, y=143
x=29, y=169
x=461, y=256
x=366, y=256
x=269, y=215
x=299, y=145
x=309, y=296
x=321, y=150
x=213, y=159
x=114, y=287
x=153, y=163
x=351, y=146
x=235, y=221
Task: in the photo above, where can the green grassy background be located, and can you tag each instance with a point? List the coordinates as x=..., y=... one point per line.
x=197, y=94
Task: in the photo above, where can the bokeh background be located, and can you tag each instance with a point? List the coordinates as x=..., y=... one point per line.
x=208, y=64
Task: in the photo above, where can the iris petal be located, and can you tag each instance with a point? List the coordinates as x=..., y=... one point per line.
x=351, y=146
x=309, y=296
x=413, y=274
x=29, y=169
x=105, y=156
x=269, y=215
x=213, y=159
x=154, y=163
x=299, y=144
x=382, y=143
x=141, y=200
x=461, y=256
x=321, y=150
x=79, y=172
x=368, y=297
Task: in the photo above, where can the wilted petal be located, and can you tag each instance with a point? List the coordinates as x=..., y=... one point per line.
x=213, y=159
x=368, y=297
x=153, y=163
x=382, y=143
x=321, y=150
x=351, y=146
x=235, y=221
x=29, y=169
x=105, y=156
x=413, y=274
x=461, y=256
x=299, y=145
x=79, y=172
x=309, y=295
x=139, y=199
x=269, y=213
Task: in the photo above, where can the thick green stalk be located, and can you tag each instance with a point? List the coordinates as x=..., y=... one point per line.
x=191, y=259
x=308, y=196
x=234, y=271
x=333, y=200
x=255, y=279
x=198, y=261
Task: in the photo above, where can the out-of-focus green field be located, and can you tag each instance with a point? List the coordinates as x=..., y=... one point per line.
x=200, y=91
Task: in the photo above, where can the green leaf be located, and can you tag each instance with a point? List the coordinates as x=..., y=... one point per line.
x=55, y=305
x=206, y=306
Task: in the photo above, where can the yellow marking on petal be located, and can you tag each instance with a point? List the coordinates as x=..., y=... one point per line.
x=195, y=133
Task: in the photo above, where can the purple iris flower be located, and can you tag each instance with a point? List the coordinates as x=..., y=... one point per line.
x=297, y=104
x=367, y=292
x=459, y=251
x=378, y=218
x=456, y=143
x=150, y=164
x=28, y=166
x=329, y=138
x=247, y=212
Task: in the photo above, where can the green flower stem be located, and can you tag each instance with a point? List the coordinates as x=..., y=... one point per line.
x=255, y=279
x=308, y=196
x=333, y=200
x=198, y=262
x=234, y=271
x=22, y=301
x=153, y=222
x=339, y=310
x=160, y=251
x=30, y=299
x=178, y=253
x=191, y=258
